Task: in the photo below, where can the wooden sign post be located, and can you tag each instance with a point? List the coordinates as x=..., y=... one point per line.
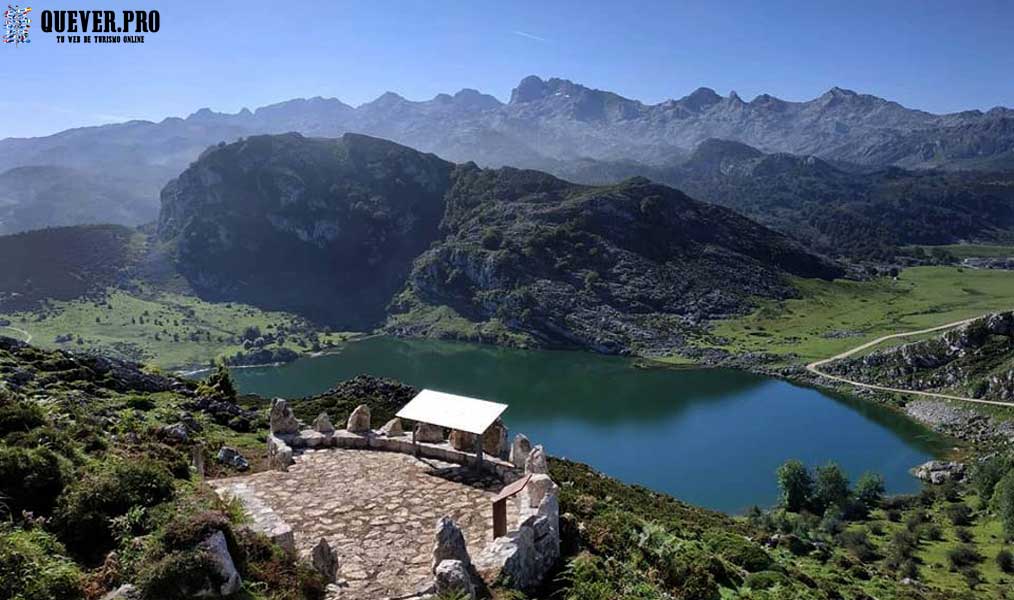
x=500, y=505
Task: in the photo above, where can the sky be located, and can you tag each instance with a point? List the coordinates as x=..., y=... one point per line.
x=228, y=54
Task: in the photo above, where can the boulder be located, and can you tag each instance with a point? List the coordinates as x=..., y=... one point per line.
x=359, y=420
x=494, y=441
x=536, y=462
x=430, y=434
x=325, y=560
x=462, y=440
x=454, y=580
x=1001, y=324
x=322, y=424
x=218, y=549
x=279, y=454
x=520, y=450
x=939, y=471
x=232, y=457
x=124, y=592
x=450, y=544
x=282, y=421
x=392, y=428
x=174, y=434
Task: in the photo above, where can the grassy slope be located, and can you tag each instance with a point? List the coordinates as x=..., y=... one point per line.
x=119, y=331
x=921, y=297
x=974, y=250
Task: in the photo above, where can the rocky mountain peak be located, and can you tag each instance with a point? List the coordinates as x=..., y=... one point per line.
x=701, y=98
x=530, y=89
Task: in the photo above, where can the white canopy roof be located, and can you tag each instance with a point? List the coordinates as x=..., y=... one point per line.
x=455, y=412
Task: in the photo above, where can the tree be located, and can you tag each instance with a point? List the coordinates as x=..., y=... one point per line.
x=870, y=489
x=1003, y=500
x=796, y=485
x=218, y=385
x=832, y=488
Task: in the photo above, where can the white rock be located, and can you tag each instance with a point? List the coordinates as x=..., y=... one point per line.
x=218, y=549
x=430, y=434
x=536, y=462
x=282, y=421
x=322, y=424
x=453, y=580
x=359, y=420
x=520, y=450
x=392, y=428
x=450, y=544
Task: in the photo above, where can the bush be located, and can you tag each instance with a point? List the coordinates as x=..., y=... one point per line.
x=739, y=551
x=30, y=479
x=796, y=485
x=764, y=580
x=87, y=506
x=859, y=545
x=268, y=564
x=33, y=567
x=959, y=514
x=870, y=490
x=178, y=575
x=963, y=534
x=613, y=533
x=142, y=403
x=962, y=556
x=1005, y=561
x=19, y=416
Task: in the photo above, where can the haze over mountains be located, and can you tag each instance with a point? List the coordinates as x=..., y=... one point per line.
x=553, y=125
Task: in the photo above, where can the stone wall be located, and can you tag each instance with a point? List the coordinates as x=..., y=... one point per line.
x=520, y=559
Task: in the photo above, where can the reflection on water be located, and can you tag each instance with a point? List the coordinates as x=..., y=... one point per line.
x=711, y=437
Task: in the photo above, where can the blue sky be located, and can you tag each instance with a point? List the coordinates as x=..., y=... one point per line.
x=227, y=54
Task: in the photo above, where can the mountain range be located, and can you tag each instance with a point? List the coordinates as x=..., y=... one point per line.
x=553, y=125
x=361, y=233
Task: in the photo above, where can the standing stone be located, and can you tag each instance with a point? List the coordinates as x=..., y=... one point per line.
x=392, y=428
x=359, y=420
x=539, y=486
x=325, y=560
x=431, y=434
x=520, y=450
x=218, y=549
x=462, y=440
x=536, y=462
x=494, y=441
x=450, y=544
x=197, y=460
x=322, y=424
x=453, y=580
x=282, y=420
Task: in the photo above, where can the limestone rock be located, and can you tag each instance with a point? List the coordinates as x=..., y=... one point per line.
x=322, y=424
x=174, y=434
x=538, y=487
x=325, y=560
x=450, y=544
x=520, y=450
x=282, y=421
x=359, y=420
x=494, y=441
x=536, y=462
x=939, y=471
x=232, y=457
x=310, y=438
x=462, y=440
x=392, y=428
x=431, y=434
x=279, y=454
x=453, y=580
x=124, y=592
x=218, y=550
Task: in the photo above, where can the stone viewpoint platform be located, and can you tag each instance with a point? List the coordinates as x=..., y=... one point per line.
x=387, y=516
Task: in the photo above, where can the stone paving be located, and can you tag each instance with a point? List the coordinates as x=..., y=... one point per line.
x=377, y=509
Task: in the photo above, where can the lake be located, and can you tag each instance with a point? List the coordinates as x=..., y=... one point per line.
x=711, y=437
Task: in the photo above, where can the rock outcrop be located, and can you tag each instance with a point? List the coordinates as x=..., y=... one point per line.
x=520, y=449
x=536, y=461
x=454, y=580
x=938, y=471
x=218, y=549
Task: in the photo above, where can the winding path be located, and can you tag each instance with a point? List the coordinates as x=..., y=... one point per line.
x=814, y=367
x=28, y=336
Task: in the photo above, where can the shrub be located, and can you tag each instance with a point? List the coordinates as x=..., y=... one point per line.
x=962, y=556
x=859, y=545
x=268, y=564
x=963, y=534
x=19, y=416
x=959, y=514
x=87, y=506
x=831, y=488
x=1005, y=561
x=739, y=551
x=30, y=479
x=1003, y=503
x=33, y=567
x=764, y=580
x=178, y=575
x=142, y=403
x=219, y=384
x=613, y=533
